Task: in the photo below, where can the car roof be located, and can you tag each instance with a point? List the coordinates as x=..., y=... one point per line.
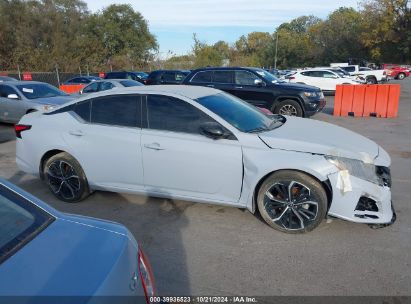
x=108, y=80
x=175, y=70
x=18, y=82
x=192, y=92
x=317, y=69
x=227, y=68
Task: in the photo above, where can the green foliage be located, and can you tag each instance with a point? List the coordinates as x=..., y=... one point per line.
x=379, y=31
x=41, y=34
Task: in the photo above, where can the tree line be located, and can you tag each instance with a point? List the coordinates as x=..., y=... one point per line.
x=42, y=35
x=379, y=32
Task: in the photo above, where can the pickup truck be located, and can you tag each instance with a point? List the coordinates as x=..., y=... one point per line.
x=397, y=71
x=370, y=76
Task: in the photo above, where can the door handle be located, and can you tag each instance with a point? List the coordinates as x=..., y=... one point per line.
x=154, y=146
x=238, y=87
x=76, y=133
x=210, y=85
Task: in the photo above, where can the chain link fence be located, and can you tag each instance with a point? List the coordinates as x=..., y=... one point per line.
x=53, y=78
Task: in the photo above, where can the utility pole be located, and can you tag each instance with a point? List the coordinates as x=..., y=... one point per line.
x=18, y=70
x=276, y=50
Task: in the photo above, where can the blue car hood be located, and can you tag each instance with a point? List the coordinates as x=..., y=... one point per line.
x=58, y=100
x=72, y=257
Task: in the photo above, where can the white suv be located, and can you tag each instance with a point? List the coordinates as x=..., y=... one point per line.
x=324, y=79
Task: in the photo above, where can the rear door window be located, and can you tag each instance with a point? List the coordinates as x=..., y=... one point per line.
x=169, y=76
x=117, y=110
x=223, y=77
x=20, y=221
x=82, y=109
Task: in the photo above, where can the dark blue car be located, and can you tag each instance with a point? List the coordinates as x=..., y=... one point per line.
x=44, y=252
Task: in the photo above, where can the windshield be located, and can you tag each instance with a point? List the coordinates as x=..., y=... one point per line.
x=240, y=114
x=39, y=90
x=268, y=76
x=341, y=73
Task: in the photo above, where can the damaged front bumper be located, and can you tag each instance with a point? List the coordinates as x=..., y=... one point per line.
x=361, y=202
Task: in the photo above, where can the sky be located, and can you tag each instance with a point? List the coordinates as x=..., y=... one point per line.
x=173, y=22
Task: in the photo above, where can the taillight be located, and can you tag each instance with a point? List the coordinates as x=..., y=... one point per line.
x=20, y=128
x=384, y=73
x=291, y=78
x=146, y=275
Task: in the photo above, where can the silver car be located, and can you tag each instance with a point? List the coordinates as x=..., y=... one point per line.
x=18, y=98
x=108, y=84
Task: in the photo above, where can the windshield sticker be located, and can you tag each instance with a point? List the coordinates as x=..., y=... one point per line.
x=25, y=90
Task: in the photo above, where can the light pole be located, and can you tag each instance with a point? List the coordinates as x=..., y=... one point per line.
x=276, y=50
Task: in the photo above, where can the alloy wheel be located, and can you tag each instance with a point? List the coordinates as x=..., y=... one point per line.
x=289, y=110
x=63, y=179
x=291, y=205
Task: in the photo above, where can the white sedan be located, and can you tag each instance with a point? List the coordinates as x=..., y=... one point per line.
x=204, y=145
x=324, y=79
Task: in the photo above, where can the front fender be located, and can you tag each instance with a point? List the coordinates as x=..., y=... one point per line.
x=258, y=164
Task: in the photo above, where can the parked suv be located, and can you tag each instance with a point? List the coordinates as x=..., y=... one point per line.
x=261, y=89
x=166, y=77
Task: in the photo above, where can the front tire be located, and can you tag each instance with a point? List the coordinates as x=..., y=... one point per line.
x=292, y=202
x=65, y=178
x=401, y=76
x=288, y=107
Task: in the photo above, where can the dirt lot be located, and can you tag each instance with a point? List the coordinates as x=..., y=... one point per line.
x=198, y=249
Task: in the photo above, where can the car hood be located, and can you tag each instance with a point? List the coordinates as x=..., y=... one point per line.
x=311, y=136
x=58, y=100
x=294, y=86
x=73, y=256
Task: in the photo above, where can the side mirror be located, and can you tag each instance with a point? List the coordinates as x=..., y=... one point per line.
x=13, y=96
x=213, y=130
x=258, y=82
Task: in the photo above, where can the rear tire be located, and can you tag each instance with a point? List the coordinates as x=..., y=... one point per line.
x=288, y=107
x=292, y=202
x=371, y=80
x=65, y=178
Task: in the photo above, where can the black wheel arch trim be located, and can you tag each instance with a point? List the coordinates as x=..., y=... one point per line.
x=44, y=159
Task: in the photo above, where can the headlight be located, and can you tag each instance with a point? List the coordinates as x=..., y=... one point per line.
x=310, y=94
x=356, y=168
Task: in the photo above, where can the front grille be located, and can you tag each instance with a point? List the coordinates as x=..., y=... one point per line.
x=384, y=176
